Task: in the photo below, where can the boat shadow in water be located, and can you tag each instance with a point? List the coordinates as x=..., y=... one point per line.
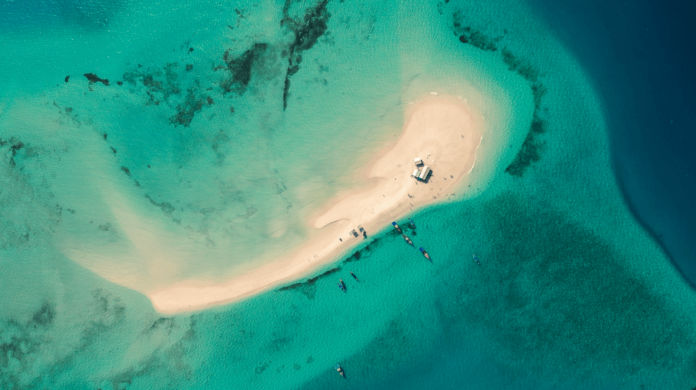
x=426, y=254
x=341, y=371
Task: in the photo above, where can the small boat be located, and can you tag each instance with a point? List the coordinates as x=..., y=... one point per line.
x=340, y=370
x=427, y=256
x=342, y=286
x=398, y=229
x=411, y=224
x=353, y=275
x=407, y=239
x=477, y=260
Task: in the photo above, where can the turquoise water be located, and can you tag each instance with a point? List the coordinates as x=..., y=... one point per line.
x=161, y=178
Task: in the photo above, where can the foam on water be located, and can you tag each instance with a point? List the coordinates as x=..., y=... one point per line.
x=571, y=291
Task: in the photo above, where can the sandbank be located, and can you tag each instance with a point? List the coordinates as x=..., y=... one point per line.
x=441, y=130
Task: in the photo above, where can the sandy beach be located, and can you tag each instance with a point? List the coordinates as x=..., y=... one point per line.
x=441, y=130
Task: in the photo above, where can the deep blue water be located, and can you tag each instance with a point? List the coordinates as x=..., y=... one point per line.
x=642, y=58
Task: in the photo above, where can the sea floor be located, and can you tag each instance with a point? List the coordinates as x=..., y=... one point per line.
x=571, y=292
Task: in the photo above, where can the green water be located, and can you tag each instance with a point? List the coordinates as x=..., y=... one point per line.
x=150, y=182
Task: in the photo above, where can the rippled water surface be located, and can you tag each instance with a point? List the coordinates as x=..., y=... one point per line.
x=146, y=143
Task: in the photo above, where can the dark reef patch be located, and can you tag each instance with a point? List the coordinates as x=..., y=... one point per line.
x=217, y=146
x=26, y=344
x=67, y=78
x=19, y=346
x=358, y=254
x=366, y=251
x=475, y=38
x=163, y=323
x=164, y=85
x=170, y=361
x=15, y=146
x=546, y=296
x=160, y=84
x=105, y=227
x=327, y=273
x=186, y=111
x=68, y=114
x=515, y=64
x=240, y=68
x=45, y=315
x=478, y=40
x=93, y=78
x=166, y=208
x=307, y=287
x=530, y=152
x=532, y=147
x=307, y=30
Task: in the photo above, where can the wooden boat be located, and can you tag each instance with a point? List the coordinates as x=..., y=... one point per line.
x=427, y=256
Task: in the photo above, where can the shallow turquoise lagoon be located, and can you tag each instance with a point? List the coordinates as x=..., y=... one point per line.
x=223, y=125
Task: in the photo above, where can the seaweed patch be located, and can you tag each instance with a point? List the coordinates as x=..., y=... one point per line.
x=160, y=84
x=531, y=149
x=475, y=38
x=93, y=78
x=45, y=315
x=15, y=146
x=530, y=152
x=544, y=297
x=164, y=85
x=167, y=362
x=166, y=208
x=307, y=287
x=186, y=111
x=240, y=68
x=307, y=31
x=21, y=344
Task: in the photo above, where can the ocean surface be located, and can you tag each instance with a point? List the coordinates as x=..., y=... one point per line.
x=144, y=143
